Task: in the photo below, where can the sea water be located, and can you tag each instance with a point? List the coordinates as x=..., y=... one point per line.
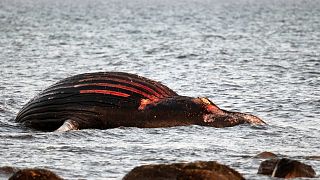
x=260, y=57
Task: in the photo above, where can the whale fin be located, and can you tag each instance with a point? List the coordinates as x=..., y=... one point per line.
x=68, y=125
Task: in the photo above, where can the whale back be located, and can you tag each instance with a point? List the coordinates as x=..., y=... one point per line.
x=80, y=94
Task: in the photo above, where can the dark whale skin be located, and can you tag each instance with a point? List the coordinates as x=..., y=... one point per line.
x=105, y=100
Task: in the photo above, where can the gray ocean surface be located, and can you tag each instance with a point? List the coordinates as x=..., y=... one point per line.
x=255, y=56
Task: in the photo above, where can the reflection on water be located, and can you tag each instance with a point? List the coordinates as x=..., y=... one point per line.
x=260, y=57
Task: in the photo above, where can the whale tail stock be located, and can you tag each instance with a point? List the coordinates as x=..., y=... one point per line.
x=217, y=117
x=249, y=118
x=200, y=111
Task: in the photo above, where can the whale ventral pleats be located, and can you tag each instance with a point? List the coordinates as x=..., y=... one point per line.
x=133, y=85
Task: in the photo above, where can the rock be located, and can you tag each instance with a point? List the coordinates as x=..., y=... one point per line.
x=266, y=155
x=7, y=171
x=34, y=174
x=267, y=166
x=184, y=171
x=317, y=158
x=195, y=174
x=285, y=168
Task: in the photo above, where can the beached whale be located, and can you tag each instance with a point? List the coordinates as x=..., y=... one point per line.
x=105, y=100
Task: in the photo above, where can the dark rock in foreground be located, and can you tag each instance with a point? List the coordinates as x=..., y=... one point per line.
x=285, y=168
x=34, y=174
x=184, y=171
x=266, y=167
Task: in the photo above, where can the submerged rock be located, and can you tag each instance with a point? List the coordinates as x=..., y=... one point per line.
x=285, y=168
x=7, y=171
x=266, y=155
x=184, y=171
x=34, y=174
x=317, y=158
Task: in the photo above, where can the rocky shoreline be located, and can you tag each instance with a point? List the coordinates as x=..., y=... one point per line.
x=272, y=165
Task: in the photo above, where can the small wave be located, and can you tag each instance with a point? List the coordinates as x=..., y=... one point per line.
x=21, y=136
x=9, y=127
x=184, y=56
x=214, y=36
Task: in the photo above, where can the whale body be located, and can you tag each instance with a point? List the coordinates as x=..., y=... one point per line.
x=105, y=100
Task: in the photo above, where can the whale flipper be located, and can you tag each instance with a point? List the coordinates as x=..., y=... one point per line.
x=68, y=125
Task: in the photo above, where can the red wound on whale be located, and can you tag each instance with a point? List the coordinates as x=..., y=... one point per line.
x=105, y=85
x=114, y=93
x=145, y=102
